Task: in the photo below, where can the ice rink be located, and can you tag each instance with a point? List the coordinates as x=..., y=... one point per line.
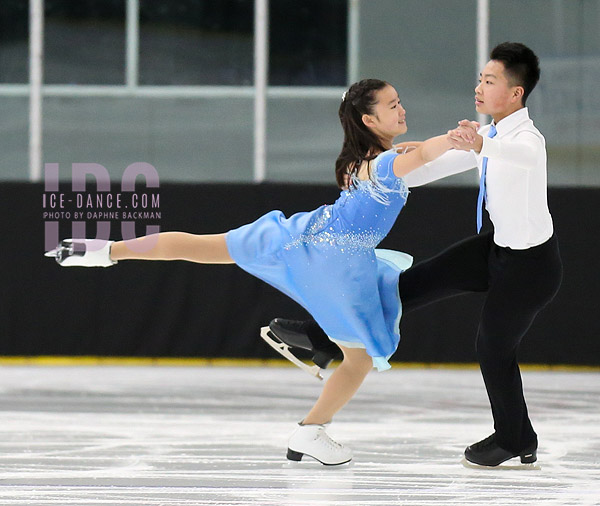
x=158, y=435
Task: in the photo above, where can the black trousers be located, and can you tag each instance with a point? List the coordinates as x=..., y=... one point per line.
x=518, y=283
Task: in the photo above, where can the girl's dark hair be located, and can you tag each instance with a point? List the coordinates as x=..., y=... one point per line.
x=360, y=143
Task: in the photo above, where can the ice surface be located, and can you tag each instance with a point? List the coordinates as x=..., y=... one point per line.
x=217, y=436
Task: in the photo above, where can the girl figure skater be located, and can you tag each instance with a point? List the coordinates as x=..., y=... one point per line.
x=324, y=259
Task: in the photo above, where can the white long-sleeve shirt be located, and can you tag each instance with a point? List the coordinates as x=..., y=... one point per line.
x=516, y=180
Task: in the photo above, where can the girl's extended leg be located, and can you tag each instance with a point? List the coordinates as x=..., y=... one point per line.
x=205, y=249
x=341, y=385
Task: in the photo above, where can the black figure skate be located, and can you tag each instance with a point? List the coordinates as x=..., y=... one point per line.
x=285, y=335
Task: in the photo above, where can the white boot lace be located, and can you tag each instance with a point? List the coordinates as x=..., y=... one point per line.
x=325, y=440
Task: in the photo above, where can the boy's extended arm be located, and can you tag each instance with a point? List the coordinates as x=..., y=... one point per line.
x=450, y=163
x=523, y=151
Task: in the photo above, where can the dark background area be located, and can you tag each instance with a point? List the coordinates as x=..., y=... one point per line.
x=178, y=309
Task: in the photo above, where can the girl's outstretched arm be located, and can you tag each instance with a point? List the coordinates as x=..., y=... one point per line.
x=424, y=152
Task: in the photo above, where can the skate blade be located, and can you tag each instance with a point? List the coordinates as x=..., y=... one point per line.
x=65, y=244
x=284, y=350
x=509, y=465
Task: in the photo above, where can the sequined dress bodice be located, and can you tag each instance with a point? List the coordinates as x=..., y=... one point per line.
x=363, y=215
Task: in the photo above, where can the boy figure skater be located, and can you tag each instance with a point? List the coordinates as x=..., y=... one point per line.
x=518, y=265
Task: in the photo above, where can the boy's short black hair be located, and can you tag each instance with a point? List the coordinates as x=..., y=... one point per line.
x=521, y=65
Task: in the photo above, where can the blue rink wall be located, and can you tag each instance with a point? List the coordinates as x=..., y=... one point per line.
x=179, y=309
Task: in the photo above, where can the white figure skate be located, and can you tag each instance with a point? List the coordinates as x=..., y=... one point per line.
x=313, y=441
x=82, y=253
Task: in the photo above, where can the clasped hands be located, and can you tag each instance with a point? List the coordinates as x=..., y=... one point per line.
x=465, y=136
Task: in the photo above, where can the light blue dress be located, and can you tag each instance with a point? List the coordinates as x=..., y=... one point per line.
x=326, y=261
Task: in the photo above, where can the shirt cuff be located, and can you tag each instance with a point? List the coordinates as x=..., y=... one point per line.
x=490, y=148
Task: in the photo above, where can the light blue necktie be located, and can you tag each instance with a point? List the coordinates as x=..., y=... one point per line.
x=482, y=191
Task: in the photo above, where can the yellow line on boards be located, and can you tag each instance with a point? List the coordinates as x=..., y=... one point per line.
x=78, y=361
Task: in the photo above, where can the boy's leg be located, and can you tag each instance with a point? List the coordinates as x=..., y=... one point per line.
x=522, y=284
x=459, y=269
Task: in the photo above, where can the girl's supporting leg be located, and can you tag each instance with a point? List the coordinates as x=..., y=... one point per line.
x=205, y=249
x=341, y=386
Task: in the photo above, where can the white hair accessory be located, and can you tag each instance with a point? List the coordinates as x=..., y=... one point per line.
x=344, y=96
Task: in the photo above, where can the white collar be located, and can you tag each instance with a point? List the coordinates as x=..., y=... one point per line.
x=507, y=124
